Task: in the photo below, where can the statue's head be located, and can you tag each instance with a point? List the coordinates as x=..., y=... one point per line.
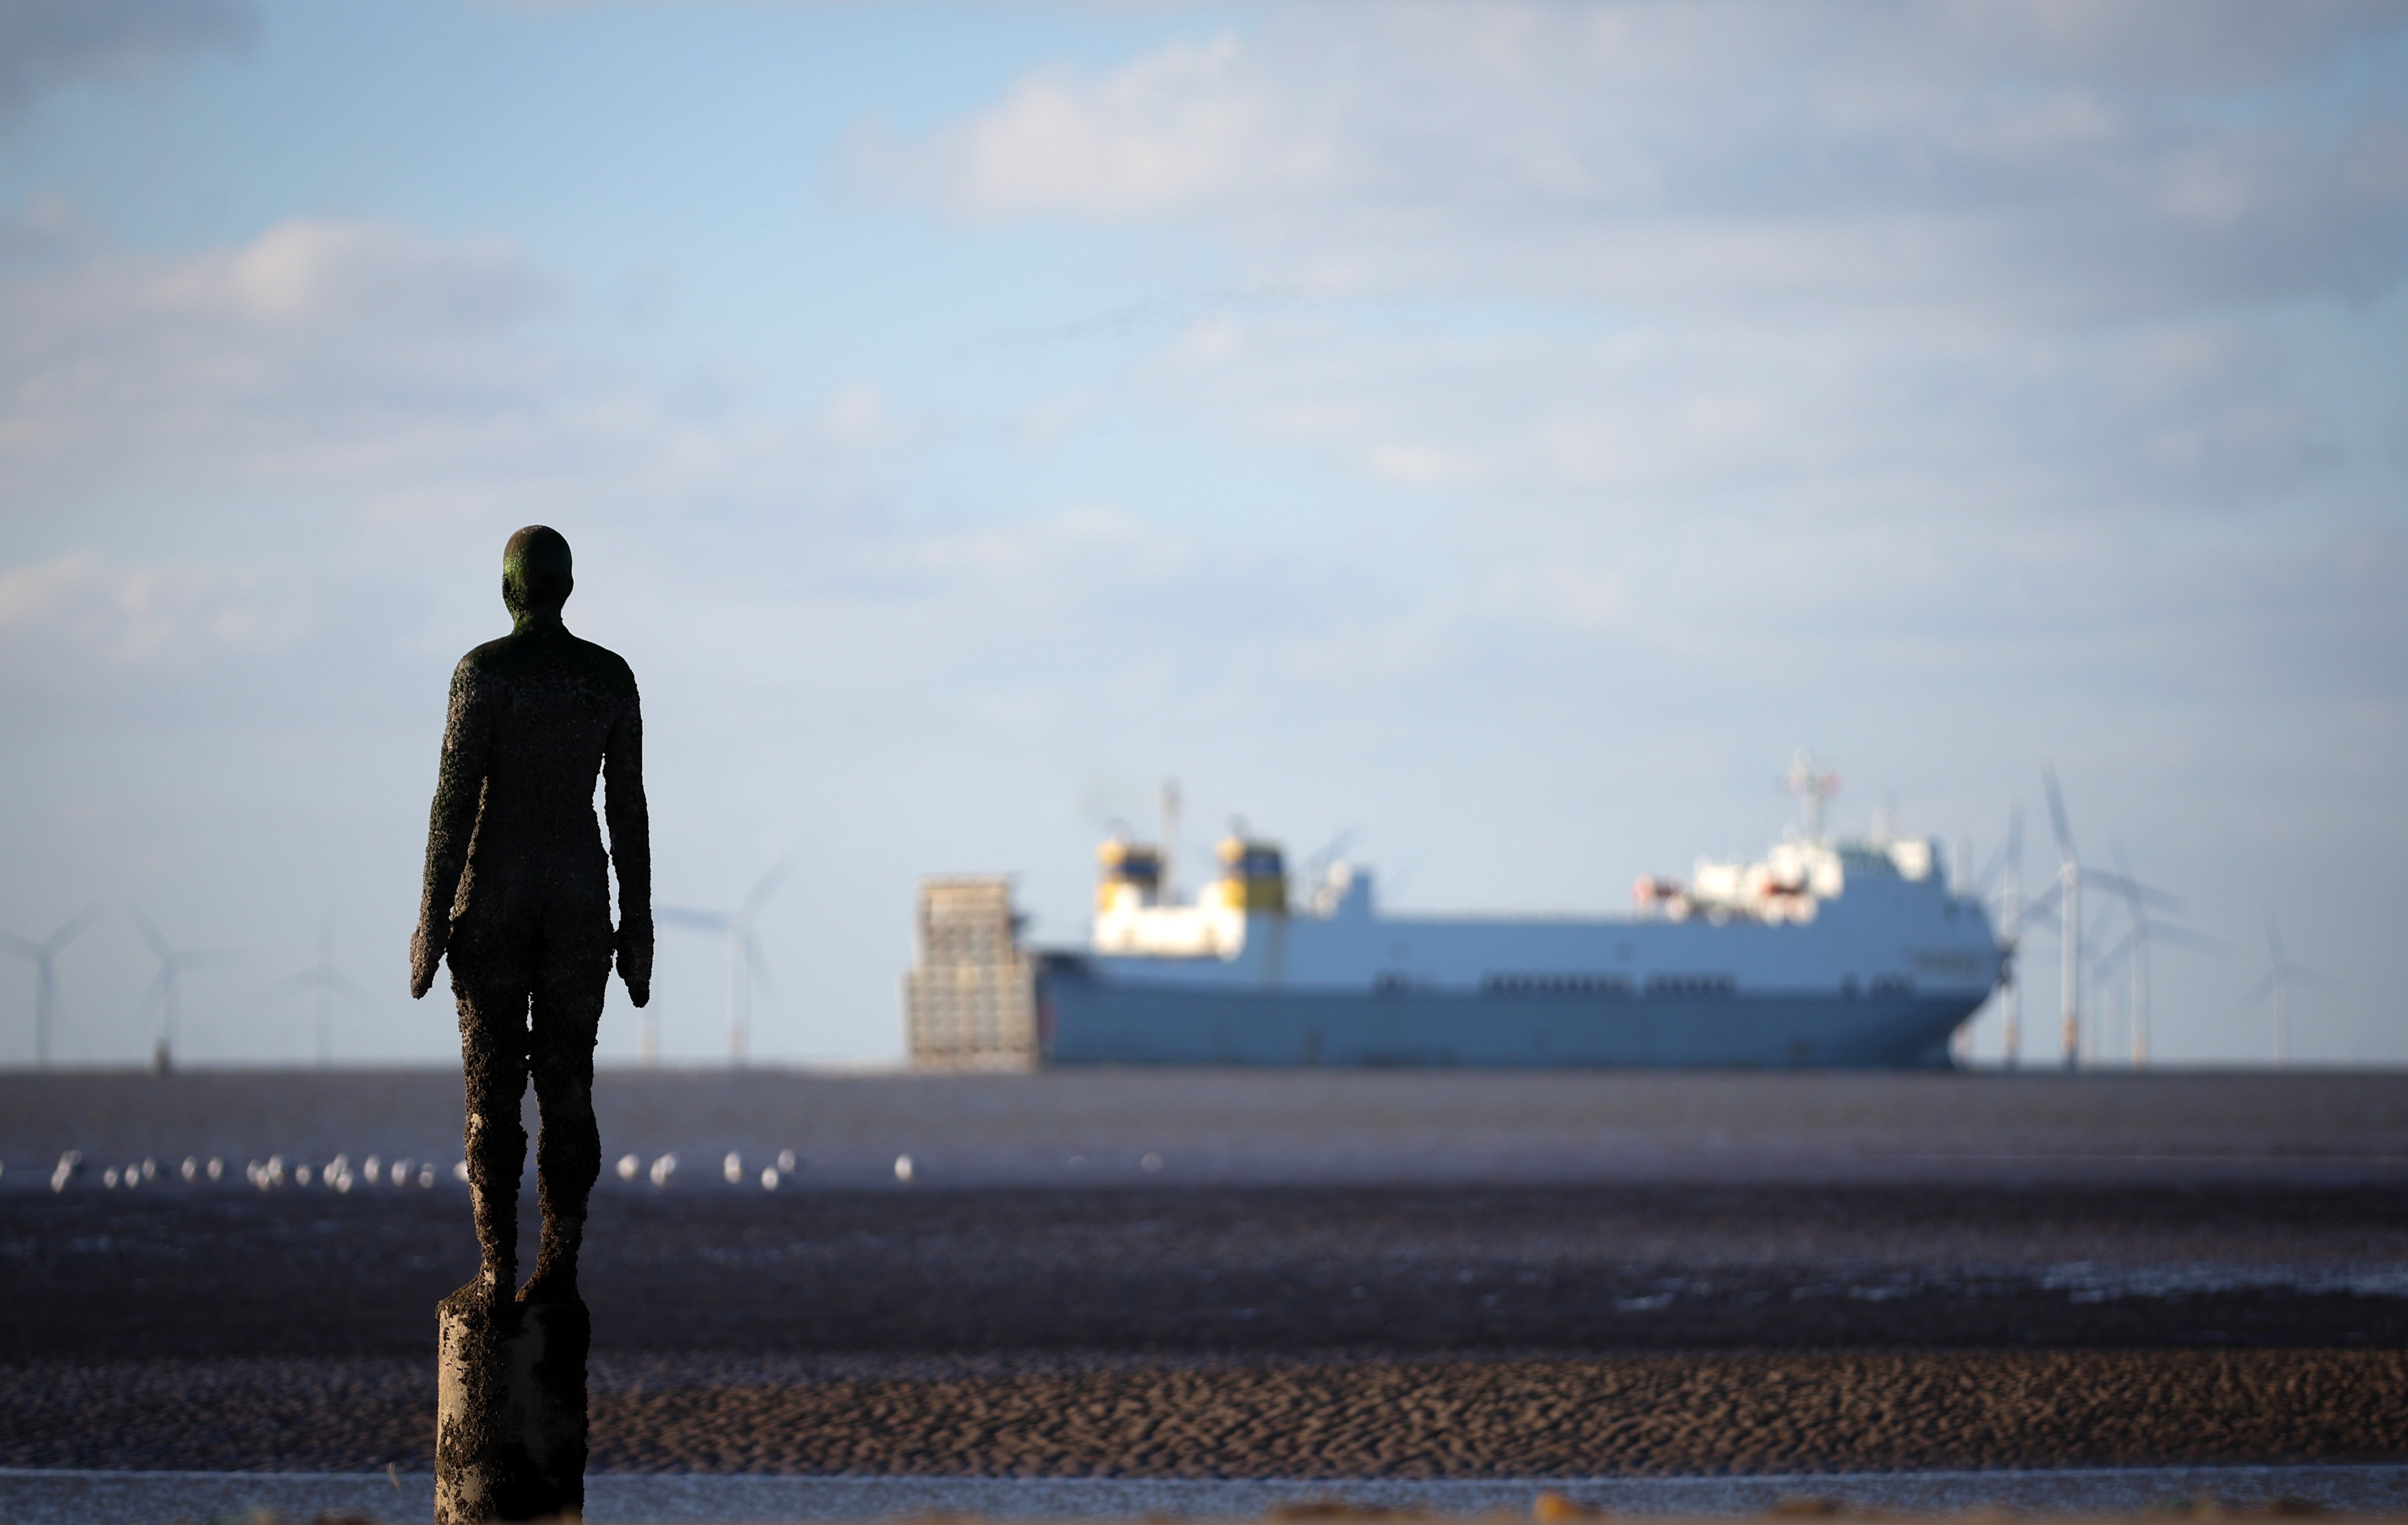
x=534, y=572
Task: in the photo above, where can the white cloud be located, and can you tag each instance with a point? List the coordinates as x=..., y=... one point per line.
x=1640, y=544
x=2133, y=158
x=318, y=350
x=176, y=613
x=1721, y=419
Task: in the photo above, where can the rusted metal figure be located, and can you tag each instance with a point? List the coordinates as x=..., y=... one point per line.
x=518, y=895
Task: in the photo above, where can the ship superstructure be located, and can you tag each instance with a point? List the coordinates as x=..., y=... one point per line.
x=1822, y=953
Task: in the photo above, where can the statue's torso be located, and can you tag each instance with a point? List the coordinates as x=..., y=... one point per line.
x=549, y=704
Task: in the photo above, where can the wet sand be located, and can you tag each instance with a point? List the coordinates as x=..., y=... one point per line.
x=1338, y=1316
x=1183, y=1332
x=1334, y=1417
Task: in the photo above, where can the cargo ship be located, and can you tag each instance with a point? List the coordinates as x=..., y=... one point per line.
x=1821, y=954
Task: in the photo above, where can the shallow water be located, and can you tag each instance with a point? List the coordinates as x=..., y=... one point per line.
x=119, y=1498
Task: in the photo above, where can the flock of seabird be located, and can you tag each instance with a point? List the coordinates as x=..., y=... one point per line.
x=339, y=1174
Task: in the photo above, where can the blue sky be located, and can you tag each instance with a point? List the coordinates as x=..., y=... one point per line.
x=1504, y=431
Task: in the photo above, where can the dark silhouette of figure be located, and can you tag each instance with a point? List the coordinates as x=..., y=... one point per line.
x=518, y=894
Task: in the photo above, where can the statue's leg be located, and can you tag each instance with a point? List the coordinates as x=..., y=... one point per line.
x=494, y=1056
x=568, y=1154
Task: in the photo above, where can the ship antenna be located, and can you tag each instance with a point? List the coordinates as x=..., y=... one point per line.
x=1813, y=786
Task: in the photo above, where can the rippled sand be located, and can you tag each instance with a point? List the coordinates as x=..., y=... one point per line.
x=1327, y=1276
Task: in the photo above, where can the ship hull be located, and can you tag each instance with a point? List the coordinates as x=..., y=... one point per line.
x=1084, y=1019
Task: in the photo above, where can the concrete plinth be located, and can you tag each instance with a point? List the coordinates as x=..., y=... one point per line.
x=510, y=1409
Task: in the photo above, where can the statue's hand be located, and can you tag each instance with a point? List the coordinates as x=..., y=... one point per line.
x=425, y=957
x=635, y=945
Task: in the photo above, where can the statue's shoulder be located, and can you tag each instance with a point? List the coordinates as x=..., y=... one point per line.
x=482, y=663
x=607, y=666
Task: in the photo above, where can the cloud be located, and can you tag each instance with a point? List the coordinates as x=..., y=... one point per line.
x=1597, y=551
x=47, y=45
x=179, y=614
x=365, y=356
x=329, y=406
x=2035, y=159
x=1720, y=419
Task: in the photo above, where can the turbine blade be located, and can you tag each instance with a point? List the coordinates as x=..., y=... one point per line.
x=2043, y=904
x=73, y=927
x=2185, y=937
x=288, y=985
x=151, y=934
x=2135, y=895
x=1989, y=874
x=2259, y=991
x=767, y=884
x=2274, y=941
x=25, y=945
x=758, y=962
x=686, y=915
x=157, y=993
x=337, y=980
x=2057, y=817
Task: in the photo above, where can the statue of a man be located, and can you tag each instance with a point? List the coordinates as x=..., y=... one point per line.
x=518, y=893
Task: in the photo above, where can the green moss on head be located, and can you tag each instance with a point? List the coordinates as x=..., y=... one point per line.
x=535, y=572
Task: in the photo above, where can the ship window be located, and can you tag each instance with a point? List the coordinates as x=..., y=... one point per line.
x=1693, y=985
x=1510, y=983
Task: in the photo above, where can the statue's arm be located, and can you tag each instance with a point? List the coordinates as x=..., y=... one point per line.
x=459, y=784
x=631, y=847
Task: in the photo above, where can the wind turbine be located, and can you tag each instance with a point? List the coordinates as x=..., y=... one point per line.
x=2278, y=982
x=44, y=957
x=328, y=981
x=2134, y=947
x=2067, y=895
x=746, y=962
x=173, y=964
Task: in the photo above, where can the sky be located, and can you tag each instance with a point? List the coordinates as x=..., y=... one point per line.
x=1505, y=433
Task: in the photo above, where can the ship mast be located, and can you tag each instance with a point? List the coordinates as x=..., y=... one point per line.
x=1813, y=786
x=1167, y=894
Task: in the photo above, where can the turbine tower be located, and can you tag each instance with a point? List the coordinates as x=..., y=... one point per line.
x=327, y=982
x=2065, y=896
x=2278, y=984
x=44, y=958
x=746, y=963
x=174, y=963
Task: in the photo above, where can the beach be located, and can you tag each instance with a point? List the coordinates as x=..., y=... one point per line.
x=1842, y=1284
